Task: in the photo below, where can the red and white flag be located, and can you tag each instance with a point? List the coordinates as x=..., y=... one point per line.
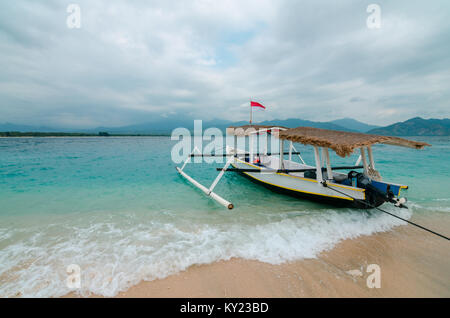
x=256, y=104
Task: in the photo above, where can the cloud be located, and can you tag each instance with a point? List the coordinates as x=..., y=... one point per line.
x=133, y=62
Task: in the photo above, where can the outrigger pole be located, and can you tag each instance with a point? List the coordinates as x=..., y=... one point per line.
x=243, y=154
x=289, y=170
x=208, y=191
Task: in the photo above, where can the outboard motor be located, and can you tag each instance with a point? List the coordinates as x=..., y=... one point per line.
x=376, y=192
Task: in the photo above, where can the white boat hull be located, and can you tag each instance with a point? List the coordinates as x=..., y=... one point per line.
x=295, y=184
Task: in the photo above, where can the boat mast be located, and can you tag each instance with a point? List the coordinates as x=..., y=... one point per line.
x=250, y=111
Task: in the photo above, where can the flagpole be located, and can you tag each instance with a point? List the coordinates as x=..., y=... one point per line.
x=250, y=111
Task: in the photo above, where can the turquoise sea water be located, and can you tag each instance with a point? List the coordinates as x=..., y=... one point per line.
x=117, y=208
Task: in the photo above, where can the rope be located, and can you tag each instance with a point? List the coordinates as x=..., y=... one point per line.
x=396, y=216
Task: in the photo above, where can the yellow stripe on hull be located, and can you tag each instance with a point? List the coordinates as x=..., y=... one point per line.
x=297, y=190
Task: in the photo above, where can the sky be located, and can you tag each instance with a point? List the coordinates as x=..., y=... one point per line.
x=132, y=62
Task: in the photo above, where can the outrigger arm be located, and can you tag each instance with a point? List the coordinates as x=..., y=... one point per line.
x=208, y=191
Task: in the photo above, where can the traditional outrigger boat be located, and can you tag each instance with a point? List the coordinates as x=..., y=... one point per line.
x=320, y=182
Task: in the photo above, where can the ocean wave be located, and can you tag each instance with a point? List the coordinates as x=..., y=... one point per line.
x=115, y=255
x=431, y=207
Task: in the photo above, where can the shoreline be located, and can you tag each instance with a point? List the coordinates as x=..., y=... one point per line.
x=412, y=263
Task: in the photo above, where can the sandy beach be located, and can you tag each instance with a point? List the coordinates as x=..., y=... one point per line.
x=413, y=263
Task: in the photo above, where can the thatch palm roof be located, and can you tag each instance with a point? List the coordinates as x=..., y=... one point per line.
x=342, y=142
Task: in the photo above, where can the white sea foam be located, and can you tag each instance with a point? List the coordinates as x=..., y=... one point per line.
x=431, y=207
x=116, y=255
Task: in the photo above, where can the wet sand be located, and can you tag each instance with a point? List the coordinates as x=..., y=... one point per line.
x=413, y=263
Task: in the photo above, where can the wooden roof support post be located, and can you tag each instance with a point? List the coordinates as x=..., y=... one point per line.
x=257, y=146
x=290, y=152
x=322, y=159
x=280, y=166
x=327, y=159
x=364, y=160
x=250, y=158
x=319, y=177
x=267, y=143
x=372, y=163
x=235, y=148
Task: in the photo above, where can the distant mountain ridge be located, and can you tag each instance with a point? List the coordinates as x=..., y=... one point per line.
x=164, y=125
x=416, y=126
x=353, y=124
x=26, y=128
x=293, y=122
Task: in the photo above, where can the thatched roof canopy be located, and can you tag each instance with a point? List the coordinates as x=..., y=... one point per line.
x=246, y=130
x=342, y=142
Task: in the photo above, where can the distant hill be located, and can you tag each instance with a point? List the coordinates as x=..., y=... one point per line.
x=165, y=125
x=25, y=128
x=292, y=122
x=416, y=127
x=354, y=124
